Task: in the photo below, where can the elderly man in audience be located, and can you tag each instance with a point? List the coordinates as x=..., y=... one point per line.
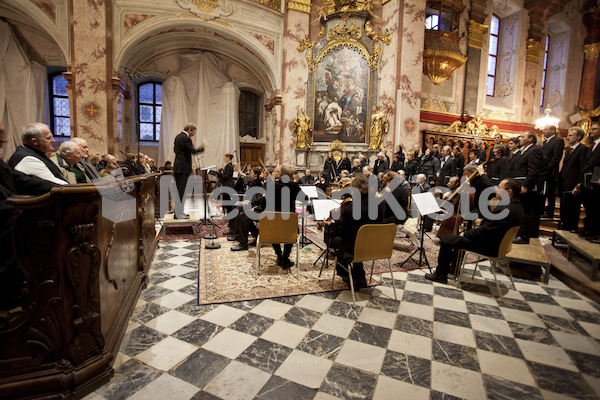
x=31, y=158
x=67, y=159
x=89, y=169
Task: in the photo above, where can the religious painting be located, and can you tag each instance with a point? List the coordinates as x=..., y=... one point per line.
x=341, y=96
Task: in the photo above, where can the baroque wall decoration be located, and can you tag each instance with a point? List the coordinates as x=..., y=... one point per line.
x=343, y=67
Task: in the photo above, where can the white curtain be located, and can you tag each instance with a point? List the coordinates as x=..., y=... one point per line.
x=201, y=94
x=22, y=90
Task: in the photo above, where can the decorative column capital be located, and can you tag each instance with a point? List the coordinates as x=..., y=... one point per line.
x=535, y=48
x=477, y=32
x=299, y=5
x=591, y=51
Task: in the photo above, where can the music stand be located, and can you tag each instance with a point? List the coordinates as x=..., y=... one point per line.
x=311, y=193
x=426, y=204
x=207, y=218
x=322, y=209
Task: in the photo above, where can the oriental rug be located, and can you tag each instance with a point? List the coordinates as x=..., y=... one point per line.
x=227, y=276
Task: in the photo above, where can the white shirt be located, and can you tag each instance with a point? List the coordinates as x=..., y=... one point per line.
x=34, y=166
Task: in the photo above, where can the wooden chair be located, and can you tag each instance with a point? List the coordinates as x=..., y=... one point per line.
x=373, y=242
x=278, y=227
x=504, y=249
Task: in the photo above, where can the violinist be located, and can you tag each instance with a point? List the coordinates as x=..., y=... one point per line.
x=391, y=179
x=343, y=231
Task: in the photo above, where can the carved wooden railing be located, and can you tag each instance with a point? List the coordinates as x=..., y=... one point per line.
x=84, y=275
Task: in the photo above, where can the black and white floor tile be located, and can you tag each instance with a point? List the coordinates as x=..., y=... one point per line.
x=436, y=341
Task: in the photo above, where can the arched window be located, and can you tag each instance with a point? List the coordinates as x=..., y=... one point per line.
x=493, y=56
x=60, y=118
x=149, y=111
x=249, y=114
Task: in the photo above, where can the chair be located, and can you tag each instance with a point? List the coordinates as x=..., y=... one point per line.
x=373, y=242
x=503, y=250
x=278, y=227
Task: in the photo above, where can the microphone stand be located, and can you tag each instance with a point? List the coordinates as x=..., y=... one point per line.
x=207, y=218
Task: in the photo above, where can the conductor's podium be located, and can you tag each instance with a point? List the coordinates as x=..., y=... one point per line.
x=85, y=251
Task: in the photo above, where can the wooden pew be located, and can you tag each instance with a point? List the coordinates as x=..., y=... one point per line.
x=589, y=250
x=84, y=276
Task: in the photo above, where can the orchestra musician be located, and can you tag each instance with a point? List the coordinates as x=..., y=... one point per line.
x=486, y=238
x=343, y=231
x=391, y=178
x=226, y=179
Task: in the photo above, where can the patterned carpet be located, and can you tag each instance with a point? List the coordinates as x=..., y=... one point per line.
x=226, y=276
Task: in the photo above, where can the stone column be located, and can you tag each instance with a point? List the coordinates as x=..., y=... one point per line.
x=295, y=73
x=402, y=65
x=92, y=98
x=589, y=95
x=588, y=79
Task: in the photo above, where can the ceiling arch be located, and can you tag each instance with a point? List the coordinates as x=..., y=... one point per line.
x=160, y=36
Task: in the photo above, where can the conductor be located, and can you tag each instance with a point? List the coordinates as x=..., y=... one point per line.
x=184, y=148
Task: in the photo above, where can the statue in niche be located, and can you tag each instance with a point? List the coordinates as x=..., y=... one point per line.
x=379, y=126
x=301, y=126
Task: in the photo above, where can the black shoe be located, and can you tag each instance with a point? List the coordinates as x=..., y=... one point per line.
x=547, y=216
x=592, y=238
x=182, y=216
x=436, y=278
x=520, y=240
x=252, y=243
x=239, y=247
x=595, y=241
x=231, y=239
x=228, y=232
x=286, y=263
x=583, y=233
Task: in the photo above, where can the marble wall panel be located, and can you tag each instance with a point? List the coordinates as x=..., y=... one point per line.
x=88, y=65
x=294, y=88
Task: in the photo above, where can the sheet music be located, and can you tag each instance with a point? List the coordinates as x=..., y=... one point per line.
x=323, y=207
x=426, y=203
x=209, y=167
x=310, y=192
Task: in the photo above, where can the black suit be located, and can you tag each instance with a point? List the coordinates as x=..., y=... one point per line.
x=568, y=178
x=182, y=167
x=591, y=195
x=553, y=151
x=509, y=167
x=484, y=239
x=527, y=170
x=447, y=170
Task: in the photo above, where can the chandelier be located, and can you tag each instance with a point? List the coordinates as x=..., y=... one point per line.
x=540, y=123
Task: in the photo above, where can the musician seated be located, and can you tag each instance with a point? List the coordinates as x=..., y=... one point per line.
x=453, y=183
x=307, y=179
x=344, y=176
x=343, y=231
x=486, y=238
x=391, y=214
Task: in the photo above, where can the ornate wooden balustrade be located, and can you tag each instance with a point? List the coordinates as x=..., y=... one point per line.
x=86, y=264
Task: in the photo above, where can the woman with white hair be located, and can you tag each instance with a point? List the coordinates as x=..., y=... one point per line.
x=67, y=159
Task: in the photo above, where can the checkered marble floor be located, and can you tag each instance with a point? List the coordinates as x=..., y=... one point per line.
x=436, y=341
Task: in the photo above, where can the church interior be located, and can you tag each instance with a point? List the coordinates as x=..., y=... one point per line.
x=111, y=311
